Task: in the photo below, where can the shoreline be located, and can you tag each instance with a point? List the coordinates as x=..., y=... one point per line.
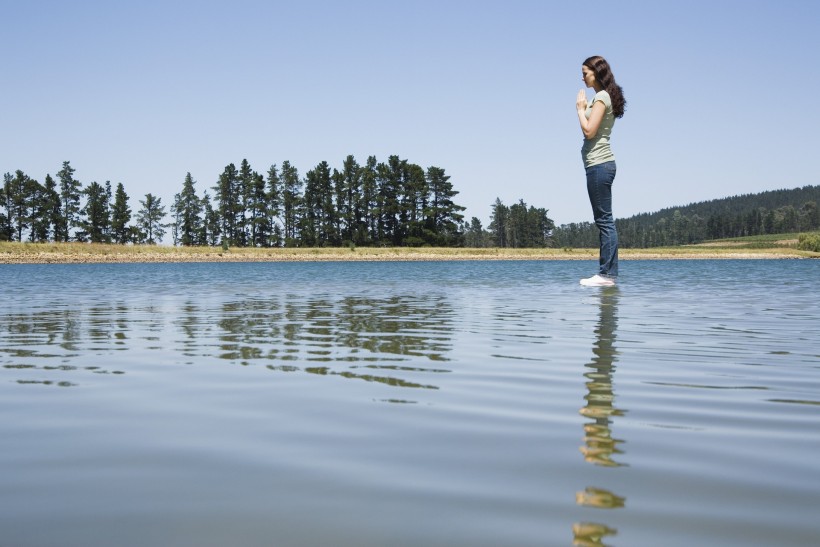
x=88, y=253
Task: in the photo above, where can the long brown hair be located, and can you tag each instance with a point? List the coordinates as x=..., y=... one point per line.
x=603, y=75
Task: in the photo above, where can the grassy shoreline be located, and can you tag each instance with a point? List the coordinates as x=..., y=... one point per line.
x=80, y=253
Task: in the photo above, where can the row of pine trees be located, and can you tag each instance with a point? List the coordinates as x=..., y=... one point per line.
x=516, y=226
x=56, y=211
x=394, y=203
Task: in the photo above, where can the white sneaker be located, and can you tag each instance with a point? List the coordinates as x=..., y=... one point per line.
x=598, y=281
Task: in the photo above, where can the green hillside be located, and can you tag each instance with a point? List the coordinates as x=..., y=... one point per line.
x=770, y=213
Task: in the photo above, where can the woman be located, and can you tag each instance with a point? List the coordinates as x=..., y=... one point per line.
x=597, y=119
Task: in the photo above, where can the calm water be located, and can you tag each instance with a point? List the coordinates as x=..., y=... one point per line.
x=393, y=404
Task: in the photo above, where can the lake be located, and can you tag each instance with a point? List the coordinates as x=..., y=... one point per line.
x=410, y=403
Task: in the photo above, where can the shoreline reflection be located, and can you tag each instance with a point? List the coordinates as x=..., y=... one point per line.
x=387, y=340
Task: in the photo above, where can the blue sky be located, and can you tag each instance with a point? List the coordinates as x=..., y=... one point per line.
x=720, y=93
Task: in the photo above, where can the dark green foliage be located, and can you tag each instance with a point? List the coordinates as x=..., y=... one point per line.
x=443, y=216
x=519, y=226
x=259, y=227
x=49, y=212
x=6, y=230
x=389, y=178
x=774, y=212
x=366, y=204
x=149, y=220
x=475, y=235
x=414, y=216
x=498, y=223
x=348, y=202
x=40, y=218
x=70, y=190
x=229, y=196
x=187, y=211
x=291, y=203
x=95, y=223
x=120, y=217
x=245, y=206
x=212, y=225
x=319, y=220
x=26, y=207
x=273, y=211
x=393, y=203
x=19, y=192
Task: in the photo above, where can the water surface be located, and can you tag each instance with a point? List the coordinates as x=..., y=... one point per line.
x=438, y=403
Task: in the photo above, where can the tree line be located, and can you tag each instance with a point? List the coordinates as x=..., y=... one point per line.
x=55, y=211
x=772, y=212
x=395, y=203
x=514, y=226
x=392, y=203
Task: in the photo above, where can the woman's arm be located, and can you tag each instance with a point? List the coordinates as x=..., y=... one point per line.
x=589, y=126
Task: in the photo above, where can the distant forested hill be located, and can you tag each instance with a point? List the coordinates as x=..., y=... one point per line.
x=772, y=212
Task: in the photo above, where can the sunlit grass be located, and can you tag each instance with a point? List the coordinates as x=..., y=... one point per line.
x=767, y=240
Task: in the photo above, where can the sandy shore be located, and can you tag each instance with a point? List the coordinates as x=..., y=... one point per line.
x=81, y=253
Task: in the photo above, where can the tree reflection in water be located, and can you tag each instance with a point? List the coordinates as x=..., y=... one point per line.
x=390, y=340
x=341, y=337
x=599, y=444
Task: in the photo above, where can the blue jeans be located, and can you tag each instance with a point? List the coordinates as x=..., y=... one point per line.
x=599, y=186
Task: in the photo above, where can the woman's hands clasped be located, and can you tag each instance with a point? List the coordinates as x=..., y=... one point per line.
x=581, y=101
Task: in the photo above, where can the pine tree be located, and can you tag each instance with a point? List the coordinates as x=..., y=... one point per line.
x=291, y=202
x=444, y=216
x=229, y=199
x=7, y=218
x=6, y=230
x=498, y=223
x=176, y=215
x=188, y=212
x=245, y=207
x=40, y=206
x=274, y=207
x=18, y=192
x=340, y=205
x=70, y=190
x=149, y=220
x=56, y=218
x=47, y=211
x=309, y=223
x=329, y=217
x=368, y=231
x=320, y=221
x=96, y=223
x=475, y=235
x=260, y=227
x=120, y=217
x=211, y=227
x=390, y=182
x=414, y=199
x=349, y=190
x=5, y=227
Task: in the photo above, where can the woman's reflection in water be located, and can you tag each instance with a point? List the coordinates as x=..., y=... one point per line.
x=600, y=446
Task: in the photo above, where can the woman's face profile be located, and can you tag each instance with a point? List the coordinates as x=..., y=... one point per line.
x=588, y=76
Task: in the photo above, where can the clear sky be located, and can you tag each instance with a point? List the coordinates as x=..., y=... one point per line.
x=720, y=93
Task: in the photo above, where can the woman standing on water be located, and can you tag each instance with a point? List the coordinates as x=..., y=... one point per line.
x=597, y=119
